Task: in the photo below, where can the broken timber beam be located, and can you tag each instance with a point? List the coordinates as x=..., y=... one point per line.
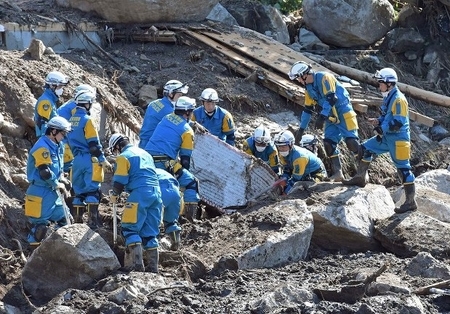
x=75, y=27
x=426, y=289
x=248, y=68
x=415, y=92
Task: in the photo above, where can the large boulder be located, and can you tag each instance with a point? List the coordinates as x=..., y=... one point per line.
x=264, y=19
x=72, y=257
x=348, y=23
x=344, y=217
x=144, y=11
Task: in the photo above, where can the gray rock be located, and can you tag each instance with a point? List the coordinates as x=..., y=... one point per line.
x=144, y=11
x=353, y=22
x=72, y=257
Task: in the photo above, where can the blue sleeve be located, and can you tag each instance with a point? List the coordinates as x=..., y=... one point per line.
x=304, y=119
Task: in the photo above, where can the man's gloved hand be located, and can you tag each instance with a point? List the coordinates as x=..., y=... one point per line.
x=320, y=122
x=66, y=182
x=198, y=128
x=62, y=188
x=113, y=196
x=379, y=133
x=298, y=135
x=106, y=166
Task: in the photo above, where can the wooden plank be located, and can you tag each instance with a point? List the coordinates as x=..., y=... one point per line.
x=360, y=107
x=266, y=50
x=236, y=62
x=420, y=118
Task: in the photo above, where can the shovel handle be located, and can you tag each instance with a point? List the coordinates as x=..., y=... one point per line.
x=115, y=223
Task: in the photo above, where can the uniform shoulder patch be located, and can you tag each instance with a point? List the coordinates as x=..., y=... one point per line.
x=45, y=154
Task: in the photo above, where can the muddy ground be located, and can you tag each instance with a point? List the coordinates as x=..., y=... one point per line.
x=224, y=290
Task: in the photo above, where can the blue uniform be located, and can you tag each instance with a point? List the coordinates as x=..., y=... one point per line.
x=66, y=111
x=42, y=203
x=301, y=165
x=394, y=121
x=327, y=92
x=173, y=138
x=135, y=170
x=44, y=110
x=171, y=199
x=269, y=155
x=87, y=173
x=156, y=110
x=220, y=124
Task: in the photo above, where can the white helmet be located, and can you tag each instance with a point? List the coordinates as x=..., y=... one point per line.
x=85, y=97
x=309, y=142
x=56, y=78
x=210, y=94
x=261, y=135
x=59, y=123
x=386, y=75
x=298, y=69
x=284, y=138
x=174, y=86
x=185, y=103
x=115, y=139
x=83, y=87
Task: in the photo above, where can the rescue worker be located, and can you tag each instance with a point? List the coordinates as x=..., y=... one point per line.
x=66, y=111
x=45, y=107
x=135, y=173
x=158, y=109
x=392, y=135
x=309, y=142
x=171, y=146
x=45, y=174
x=171, y=198
x=261, y=146
x=213, y=118
x=336, y=113
x=299, y=164
x=89, y=161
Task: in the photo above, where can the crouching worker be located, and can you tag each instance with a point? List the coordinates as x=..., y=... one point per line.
x=135, y=172
x=171, y=197
x=299, y=164
x=45, y=174
x=261, y=146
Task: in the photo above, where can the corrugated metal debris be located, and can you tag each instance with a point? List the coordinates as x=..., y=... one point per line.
x=228, y=177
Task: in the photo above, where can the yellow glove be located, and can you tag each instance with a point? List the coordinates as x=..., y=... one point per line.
x=113, y=196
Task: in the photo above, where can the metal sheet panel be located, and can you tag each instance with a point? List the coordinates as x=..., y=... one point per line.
x=228, y=177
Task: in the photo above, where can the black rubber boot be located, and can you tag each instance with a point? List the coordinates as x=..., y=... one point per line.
x=361, y=178
x=134, y=259
x=190, y=211
x=151, y=257
x=78, y=212
x=94, y=221
x=336, y=167
x=410, y=203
